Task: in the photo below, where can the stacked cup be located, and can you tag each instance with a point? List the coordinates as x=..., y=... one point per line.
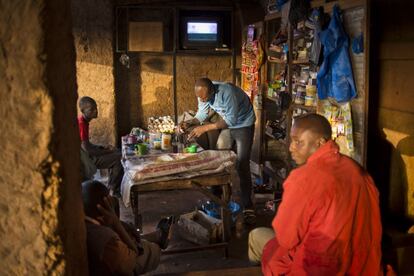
x=310, y=98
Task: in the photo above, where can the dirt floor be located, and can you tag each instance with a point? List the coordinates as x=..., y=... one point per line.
x=156, y=205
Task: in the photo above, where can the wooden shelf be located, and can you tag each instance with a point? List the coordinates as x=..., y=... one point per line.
x=205, y=52
x=276, y=61
x=270, y=135
x=299, y=62
x=272, y=16
x=283, y=141
x=160, y=53
x=272, y=99
x=295, y=62
x=343, y=4
x=273, y=158
x=309, y=108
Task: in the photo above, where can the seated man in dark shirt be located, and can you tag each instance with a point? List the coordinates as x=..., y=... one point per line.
x=112, y=248
x=102, y=157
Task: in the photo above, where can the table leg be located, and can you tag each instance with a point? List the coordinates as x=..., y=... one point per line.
x=226, y=192
x=226, y=214
x=135, y=210
x=207, y=193
x=223, y=202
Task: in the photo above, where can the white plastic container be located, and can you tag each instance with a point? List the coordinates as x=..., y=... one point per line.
x=154, y=137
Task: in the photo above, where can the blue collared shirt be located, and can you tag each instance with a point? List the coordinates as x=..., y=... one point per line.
x=231, y=103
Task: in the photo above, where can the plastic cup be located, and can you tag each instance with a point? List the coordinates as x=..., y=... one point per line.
x=141, y=149
x=191, y=149
x=310, y=90
x=309, y=100
x=157, y=144
x=153, y=137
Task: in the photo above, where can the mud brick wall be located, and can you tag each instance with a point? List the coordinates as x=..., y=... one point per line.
x=93, y=26
x=190, y=68
x=41, y=216
x=154, y=93
x=146, y=88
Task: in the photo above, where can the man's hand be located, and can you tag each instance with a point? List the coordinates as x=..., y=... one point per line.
x=198, y=131
x=183, y=126
x=107, y=211
x=109, y=147
x=95, y=150
x=111, y=220
x=106, y=147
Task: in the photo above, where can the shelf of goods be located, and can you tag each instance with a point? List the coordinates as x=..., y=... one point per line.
x=291, y=85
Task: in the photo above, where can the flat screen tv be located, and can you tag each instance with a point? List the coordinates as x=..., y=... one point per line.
x=201, y=33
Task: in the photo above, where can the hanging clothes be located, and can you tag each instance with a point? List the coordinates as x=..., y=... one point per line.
x=335, y=78
x=315, y=55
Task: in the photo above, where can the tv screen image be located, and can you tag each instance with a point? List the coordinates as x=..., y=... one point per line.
x=202, y=31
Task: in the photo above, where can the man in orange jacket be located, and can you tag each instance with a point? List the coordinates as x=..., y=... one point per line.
x=328, y=222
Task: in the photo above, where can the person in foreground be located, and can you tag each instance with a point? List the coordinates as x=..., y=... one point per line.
x=328, y=222
x=114, y=248
x=235, y=123
x=103, y=157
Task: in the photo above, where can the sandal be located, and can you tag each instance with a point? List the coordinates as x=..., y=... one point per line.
x=249, y=217
x=164, y=225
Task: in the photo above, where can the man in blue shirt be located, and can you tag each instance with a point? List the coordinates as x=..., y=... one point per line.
x=236, y=120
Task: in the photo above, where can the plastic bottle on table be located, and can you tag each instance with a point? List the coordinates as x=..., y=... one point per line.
x=166, y=141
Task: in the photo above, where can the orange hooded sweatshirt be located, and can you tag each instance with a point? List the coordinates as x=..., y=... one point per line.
x=328, y=222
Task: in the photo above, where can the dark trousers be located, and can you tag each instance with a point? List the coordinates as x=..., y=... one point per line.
x=243, y=140
x=111, y=161
x=216, y=140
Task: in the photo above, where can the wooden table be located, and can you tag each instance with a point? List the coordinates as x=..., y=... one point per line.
x=199, y=183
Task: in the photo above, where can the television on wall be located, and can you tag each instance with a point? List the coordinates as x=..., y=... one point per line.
x=201, y=33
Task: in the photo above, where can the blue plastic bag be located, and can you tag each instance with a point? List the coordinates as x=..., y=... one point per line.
x=212, y=209
x=335, y=78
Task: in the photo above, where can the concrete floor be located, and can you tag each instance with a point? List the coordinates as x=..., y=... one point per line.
x=156, y=205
